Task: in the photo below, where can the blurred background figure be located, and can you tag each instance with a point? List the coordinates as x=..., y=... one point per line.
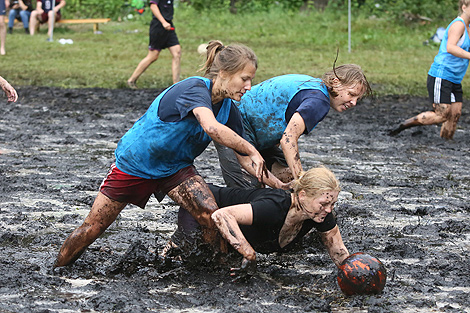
x=3, y=31
x=45, y=13
x=162, y=35
x=20, y=10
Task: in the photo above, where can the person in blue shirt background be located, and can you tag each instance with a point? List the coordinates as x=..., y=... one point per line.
x=279, y=110
x=156, y=155
x=445, y=78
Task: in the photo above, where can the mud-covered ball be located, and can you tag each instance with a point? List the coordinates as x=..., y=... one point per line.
x=361, y=274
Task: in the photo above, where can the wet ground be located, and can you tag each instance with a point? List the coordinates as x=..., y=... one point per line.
x=404, y=200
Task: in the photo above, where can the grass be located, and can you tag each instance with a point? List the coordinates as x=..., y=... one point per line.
x=392, y=55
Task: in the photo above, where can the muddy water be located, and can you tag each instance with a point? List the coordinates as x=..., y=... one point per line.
x=404, y=200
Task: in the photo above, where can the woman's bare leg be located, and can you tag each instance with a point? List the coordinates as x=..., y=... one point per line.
x=102, y=214
x=450, y=125
x=195, y=196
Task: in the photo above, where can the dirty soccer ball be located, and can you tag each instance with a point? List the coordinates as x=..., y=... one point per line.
x=361, y=274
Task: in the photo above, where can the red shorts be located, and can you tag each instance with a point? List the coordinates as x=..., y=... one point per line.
x=44, y=17
x=126, y=188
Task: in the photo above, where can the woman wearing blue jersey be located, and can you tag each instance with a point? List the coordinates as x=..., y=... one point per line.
x=279, y=110
x=445, y=77
x=156, y=155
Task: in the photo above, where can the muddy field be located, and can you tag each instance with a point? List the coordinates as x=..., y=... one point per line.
x=404, y=200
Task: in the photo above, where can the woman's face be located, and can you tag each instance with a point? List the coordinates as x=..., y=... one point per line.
x=237, y=84
x=318, y=208
x=347, y=97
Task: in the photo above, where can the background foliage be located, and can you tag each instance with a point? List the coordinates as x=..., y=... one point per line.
x=286, y=39
x=401, y=10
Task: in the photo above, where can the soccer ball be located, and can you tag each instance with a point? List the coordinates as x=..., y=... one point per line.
x=202, y=48
x=361, y=274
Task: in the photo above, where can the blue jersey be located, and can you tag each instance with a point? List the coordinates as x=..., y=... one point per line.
x=156, y=148
x=267, y=109
x=448, y=66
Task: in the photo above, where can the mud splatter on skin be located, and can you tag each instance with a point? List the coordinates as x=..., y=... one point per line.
x=404, y=200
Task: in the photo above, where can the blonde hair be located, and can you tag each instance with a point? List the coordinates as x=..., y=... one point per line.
x=229, y=59
x=316, y=181
x=348, y=75
x=462, y=3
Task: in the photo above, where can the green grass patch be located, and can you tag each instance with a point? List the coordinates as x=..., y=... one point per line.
x=392, y=55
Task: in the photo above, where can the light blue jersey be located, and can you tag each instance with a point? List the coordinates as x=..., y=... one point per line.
x=448, y=66
x=264, y=106
x=153, y=148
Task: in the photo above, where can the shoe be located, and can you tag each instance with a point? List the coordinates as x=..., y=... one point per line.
x=131, y=84
x=396, y=130
x=26, y=30
x=10, y=30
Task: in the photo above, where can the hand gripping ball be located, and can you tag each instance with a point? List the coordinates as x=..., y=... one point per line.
x=361, y=274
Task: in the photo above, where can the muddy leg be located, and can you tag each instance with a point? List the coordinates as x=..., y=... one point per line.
x=437, y=116
x=450, y=125
x=102, y=214
x=283, y=173
x=195, y=196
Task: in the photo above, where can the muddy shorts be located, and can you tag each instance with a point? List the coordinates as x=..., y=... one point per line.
x=444, y=91
x=126, y=188
x=160, y=38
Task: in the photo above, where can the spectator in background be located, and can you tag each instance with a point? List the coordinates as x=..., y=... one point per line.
x=162, y=35
x=46, y=13
x=3, y=31
x=20, y=10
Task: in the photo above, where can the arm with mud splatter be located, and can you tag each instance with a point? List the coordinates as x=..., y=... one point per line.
x=227, y=220
x=268, y=179
x=227, y=137
x=290, y=146
x=334, y=244
x=9, y=90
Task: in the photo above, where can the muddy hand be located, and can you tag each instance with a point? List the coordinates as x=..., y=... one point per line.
x=244, y=272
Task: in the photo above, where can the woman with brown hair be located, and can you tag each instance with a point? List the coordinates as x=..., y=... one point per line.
x=156, y=155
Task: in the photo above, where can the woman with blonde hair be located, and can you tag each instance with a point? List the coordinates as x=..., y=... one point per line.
x=156, y=155
x=273, y=220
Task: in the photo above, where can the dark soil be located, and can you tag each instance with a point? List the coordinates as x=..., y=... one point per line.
x=404, y=200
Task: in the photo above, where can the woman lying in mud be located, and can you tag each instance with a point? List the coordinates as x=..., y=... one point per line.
x=156, y=155
x=273, y=220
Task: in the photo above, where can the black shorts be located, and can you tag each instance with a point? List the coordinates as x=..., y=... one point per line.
x=160, y=38
x=444, y=91
x=273, y=155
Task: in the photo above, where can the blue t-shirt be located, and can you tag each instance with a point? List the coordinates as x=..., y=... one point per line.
x=268, y=107
x=448, y=66
x=168, y=136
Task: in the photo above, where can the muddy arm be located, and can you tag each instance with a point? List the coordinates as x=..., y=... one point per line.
x=9, y=90
x=268, y=177
x=227, y=137
x=227, y=220
x=334, y=244
x=289, y=143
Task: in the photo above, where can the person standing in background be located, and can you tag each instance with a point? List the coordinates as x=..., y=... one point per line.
x=3, y=31
x=161, y=35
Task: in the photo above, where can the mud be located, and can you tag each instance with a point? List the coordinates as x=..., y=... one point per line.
x=404, y=201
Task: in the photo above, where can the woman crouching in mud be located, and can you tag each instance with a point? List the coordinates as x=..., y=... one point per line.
x=274, y=220
x=156, y=155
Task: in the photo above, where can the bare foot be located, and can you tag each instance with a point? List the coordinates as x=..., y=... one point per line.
x=2, y=51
